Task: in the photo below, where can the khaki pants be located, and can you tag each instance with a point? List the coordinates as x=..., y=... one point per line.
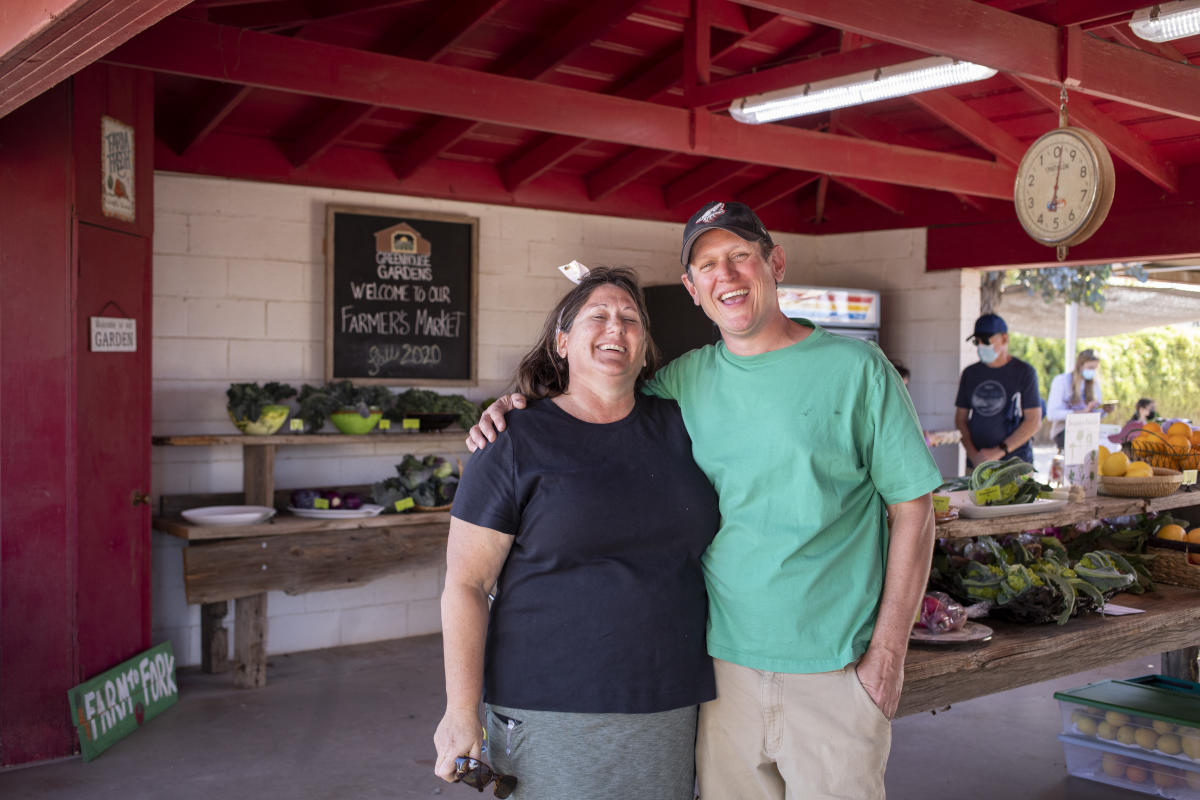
x=777, y=736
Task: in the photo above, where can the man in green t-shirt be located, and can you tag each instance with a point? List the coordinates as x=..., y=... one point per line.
x=820, y=563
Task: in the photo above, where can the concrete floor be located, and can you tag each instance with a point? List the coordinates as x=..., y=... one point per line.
x=356, y=722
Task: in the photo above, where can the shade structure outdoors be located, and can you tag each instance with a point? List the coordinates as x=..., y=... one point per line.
x=1129, y=309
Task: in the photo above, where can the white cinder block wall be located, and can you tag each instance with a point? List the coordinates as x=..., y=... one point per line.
x=239, y=296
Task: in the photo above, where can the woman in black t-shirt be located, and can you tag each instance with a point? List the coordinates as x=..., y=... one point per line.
x=589, y=517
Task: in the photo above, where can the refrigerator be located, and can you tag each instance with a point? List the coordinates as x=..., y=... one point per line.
x=678, y=325
x=849, y=312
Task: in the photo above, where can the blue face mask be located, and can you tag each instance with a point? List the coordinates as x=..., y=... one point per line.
x=1088, y=374
x=987, y=353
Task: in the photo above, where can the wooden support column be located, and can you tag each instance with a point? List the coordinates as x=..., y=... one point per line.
x=214, y=637
x=250, y=613
x=250, y=641
x=1182, y=663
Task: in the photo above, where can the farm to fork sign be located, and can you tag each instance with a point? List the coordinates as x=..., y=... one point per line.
x=115, y=703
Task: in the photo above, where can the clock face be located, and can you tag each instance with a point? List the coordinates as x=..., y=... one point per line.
x=1063, y=187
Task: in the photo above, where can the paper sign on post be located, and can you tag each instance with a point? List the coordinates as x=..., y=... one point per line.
x=1080, y=448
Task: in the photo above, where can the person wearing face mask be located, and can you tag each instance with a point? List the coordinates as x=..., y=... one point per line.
x=1075, y=392
x=998, y=408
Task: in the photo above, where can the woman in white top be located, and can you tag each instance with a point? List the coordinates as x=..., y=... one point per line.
x=1075, y=392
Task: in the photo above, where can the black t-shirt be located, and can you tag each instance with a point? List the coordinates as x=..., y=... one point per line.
x=601, y=605
x=997, y=398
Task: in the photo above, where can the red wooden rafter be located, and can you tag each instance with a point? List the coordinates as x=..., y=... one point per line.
x=593, y=21
x=220, y=53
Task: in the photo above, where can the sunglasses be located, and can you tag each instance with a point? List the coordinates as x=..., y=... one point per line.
x=477, y=775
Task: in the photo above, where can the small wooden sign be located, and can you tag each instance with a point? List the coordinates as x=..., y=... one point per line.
x=117, y=170
x=112, y=705
x=113, y=335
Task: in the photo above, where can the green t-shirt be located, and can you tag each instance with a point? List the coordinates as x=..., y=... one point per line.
x=806, y=446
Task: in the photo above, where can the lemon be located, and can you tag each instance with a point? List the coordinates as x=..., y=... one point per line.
x=1102, y=454
x=1125, y=734
x=1146, y=737
x=1139, y=469
x=1169, y=744
x=1116, y=719
x=1162, y=727
x=1115, y=465
x=1106, y=730
x=1190, y=742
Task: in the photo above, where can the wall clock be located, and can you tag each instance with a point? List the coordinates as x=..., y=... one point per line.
x=1064, y=187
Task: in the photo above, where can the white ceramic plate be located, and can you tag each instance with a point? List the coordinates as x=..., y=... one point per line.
x=969, y=632
x=367, y=510
x=228, y=515
x=1040, y=506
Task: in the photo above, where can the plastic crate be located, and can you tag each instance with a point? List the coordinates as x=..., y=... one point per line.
x=1107, y=762
x=1150, y=725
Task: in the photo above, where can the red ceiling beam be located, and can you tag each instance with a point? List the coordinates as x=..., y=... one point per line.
x=1125, y=36
x=218, y=53
x=691, y=186
x=595, y=20
x=294, y=13
x=801, y=72
x=535, y=161
x=970, y=123
x=43, y=42
x=894, y=198
x=203, y=115
x=430, y=43
x=622, y=171
x=725, y=15
x=1154, y=233
x=1120, y=141
x=960, y=28
x=1012, y=44
x=774, y=187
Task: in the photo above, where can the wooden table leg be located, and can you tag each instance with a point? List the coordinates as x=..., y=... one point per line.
x=214, y=637
x=250, y=641
x=1181, y=663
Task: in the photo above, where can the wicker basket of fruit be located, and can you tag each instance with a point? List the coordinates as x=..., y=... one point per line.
x=1176, y=556
x=1176, y=448
x=1144, y=482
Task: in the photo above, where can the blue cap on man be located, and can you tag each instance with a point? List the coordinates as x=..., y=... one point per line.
x=989, y=325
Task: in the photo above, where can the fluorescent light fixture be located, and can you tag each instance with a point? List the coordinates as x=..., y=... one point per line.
x=1167, y=21
x=898, y=80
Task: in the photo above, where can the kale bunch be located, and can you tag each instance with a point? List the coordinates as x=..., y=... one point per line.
x=430, y=482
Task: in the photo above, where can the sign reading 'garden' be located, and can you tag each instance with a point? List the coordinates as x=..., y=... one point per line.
x=114, y=704
x=400, y=296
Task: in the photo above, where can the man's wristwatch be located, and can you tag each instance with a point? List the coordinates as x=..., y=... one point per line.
x=1004, y=447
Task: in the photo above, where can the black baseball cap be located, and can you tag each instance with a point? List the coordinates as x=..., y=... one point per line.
x=737, y=218
x=989, y=325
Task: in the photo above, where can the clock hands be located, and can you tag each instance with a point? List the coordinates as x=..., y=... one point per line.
x=1053, y=204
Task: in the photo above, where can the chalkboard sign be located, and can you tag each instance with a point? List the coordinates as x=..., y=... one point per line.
x=400, y=296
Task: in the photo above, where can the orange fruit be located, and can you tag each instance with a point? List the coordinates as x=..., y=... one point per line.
x=1174, y=533
x=1152, y=427
x=1180, y=429
x=1136, y=774
x=1193, y=537
x=1195, y=437
x=1178, y=443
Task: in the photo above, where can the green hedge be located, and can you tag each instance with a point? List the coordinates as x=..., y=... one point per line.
x=1160, y=363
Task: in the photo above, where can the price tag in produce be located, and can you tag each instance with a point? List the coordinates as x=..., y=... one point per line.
x=1189, y=477
x=941, y=503
x=321, y=502
x=385, y=424
x=411, y=424
x=406, y=503
x=296, y=425
x=984, y=496
x=1008, y=491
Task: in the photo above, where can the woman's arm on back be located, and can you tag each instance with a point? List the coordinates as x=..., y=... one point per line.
x=474, y=558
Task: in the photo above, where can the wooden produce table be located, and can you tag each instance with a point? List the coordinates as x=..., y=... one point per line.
x=288, y=553
x=1017, y=655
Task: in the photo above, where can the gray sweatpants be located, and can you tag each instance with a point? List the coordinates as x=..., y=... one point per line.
x=563, y=756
